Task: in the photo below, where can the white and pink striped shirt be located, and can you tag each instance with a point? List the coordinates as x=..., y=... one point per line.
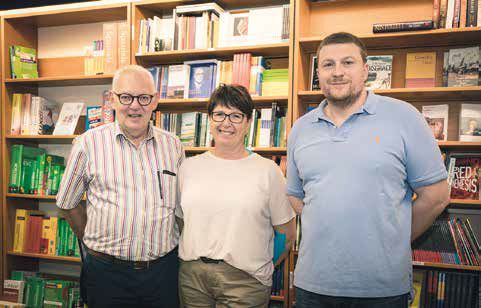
x=131, y=192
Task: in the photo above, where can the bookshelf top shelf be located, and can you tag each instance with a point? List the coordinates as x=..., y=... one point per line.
x=451, y=266
x=156, y=5
x=166, y=105
x=62, y=81
x=178, y=56
x=437, y=37
x=72, y=16
x=413, y=94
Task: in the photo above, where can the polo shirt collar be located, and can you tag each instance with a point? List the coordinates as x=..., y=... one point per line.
x=368, y=107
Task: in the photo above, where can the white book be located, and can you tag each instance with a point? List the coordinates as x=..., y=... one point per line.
x=26, y=114
x=166, y=33
x=450, y=14
x=379, y=72
x=190, y=8
x=437, y=118
x=68, y=118
x=35, y=116
x=265, y=129
x=470, y=122
x=264, y=30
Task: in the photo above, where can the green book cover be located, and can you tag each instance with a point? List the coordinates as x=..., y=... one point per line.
x=27, y=170
x=51, y=160
x=15, y=168
x=24, y=62
x=59, y=235
x=56, y=293
x=34, y=180
x=41, y=171
x=34, y=288
x=22, y=275
x=55, y=179
x=70, y=242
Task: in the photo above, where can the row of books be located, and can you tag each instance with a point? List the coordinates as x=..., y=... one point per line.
x=105, y=56
x=449, y=241
x=34, y=115
x=461, y=68
x=447, y=14
x=469, y=121
x=33, y=171
x=37, y=233
x=277, y=288
x=38, y=292
x=267, y=129
x=199, y=78
x=445, y=289
x=208, y=25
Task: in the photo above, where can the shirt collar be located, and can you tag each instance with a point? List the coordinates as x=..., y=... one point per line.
x=150, y=132
x=368, y=107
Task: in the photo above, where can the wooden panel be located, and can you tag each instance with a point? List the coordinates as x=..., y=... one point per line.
x=72, y=16
x=68, y=66
x=358, y=16
x=227, y=53
x=61, y=81
x=44, y=256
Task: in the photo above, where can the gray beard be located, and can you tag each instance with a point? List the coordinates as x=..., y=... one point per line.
x=345, y=102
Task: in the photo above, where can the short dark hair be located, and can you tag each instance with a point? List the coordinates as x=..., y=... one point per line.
x=231, y=96
x=343, y=38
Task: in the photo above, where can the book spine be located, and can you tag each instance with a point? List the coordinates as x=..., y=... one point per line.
x=110, y=47
x=457, y=13
x=436, y=14
x=403, y=26
x=123, y=44
x=471, y=13
x=463, y=14
x=443, y=7
x=21, y=217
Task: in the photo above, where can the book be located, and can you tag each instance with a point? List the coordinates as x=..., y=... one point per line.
x=67, y=119
x=437, y=118
x=379, y=72
x=201, y=78
x=464, y=175
x=23, y=62
x=111, y=50
x=13, y=290
x=470, y=122
x=420, y=69
x=403, y=26
x=418, y=278
x=94, y=117
x=314, y=78
x=463, y=69
x=177, y=76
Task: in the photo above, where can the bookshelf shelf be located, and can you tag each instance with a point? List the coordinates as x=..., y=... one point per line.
x=459, y=145
x=198, y=103
x=450, y=266
x=31, y=196
x=430, y=38
x=62, y=81
x=473, y=203
x=50, y=139
x=412, y=94
x=178, y=56
x=44, y=256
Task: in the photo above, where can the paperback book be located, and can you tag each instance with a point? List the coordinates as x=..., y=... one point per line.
x=470, y=122
x=23, y=62
x=464, y=175
x=68, y=118
x=379, y=72
x=437, y=118
x=463, y=69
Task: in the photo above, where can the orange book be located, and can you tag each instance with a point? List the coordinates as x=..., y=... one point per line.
x=46, y=225
x=463, y=14
x=110, y=47
x=52, y=236
x=124, y=44
x=420, y=69
x=436, y=13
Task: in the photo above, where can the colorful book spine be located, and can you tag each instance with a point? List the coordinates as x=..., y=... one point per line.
x=403, y=26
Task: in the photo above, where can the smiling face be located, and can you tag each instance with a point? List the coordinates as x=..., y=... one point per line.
x=226, y=133
x=342, y=73
x=134, y=119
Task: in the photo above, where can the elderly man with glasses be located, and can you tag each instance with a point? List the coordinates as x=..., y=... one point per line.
x=128, y=171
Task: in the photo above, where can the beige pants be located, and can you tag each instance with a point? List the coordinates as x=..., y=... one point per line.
x=219, y=285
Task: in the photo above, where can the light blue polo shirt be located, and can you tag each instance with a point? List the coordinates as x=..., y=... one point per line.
x=356, y=182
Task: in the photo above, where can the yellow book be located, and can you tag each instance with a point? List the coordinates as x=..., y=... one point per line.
x=417, y=286
x=52, y=236
x=21, y=217
x=420, y=69
x=258, y=129
x=46, y=225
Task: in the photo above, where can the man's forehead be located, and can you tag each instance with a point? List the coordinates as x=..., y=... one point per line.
x=339, y=51
x=134, y=79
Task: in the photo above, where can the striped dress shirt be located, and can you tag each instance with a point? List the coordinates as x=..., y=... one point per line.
x=131, y=191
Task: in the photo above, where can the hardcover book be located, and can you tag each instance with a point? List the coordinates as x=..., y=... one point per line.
x=470, y=122
x=379, y=72
x=463, y=70
x=201, y=78
x=314, y=80
x=420, y=69
x=464, y=175
x=437, y=118
x=67, y=119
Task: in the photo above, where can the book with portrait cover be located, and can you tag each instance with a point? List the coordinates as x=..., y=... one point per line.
x=202, y=78
x=420, y=69
x=470, y=122
x=464, y=175
x=463, y=69
x=379, y=72
x=437, y=118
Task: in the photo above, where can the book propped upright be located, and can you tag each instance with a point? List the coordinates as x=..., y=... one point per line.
x=23, y=62
x=437, y=118
x=68, y=118
x=470, y=122
x=379, y=72
x=420, y=69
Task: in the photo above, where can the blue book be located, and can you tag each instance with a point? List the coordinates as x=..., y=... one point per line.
x=279, y=245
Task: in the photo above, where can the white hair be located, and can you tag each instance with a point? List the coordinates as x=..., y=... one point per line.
x=132, y=69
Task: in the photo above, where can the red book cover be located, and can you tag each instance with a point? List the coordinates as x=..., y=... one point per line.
x=464, y=176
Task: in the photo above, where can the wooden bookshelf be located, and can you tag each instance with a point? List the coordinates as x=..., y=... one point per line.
x=44, y=256
x=200, y=104
x=62, y=81
x=315, y=21
x=447, y=266
x=54, y=71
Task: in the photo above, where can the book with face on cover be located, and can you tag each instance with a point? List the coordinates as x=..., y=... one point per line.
x=68, y=118
x=437, y=118
x=470, y=122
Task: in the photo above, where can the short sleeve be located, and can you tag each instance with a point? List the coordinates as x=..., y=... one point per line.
x=74, y=182
x=424, y=164
x=279, y=206
x=294, y=182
